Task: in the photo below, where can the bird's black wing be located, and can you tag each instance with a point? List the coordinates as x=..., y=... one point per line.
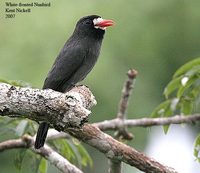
x=67, y=63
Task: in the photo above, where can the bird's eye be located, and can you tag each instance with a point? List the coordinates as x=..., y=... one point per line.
x=88, y=22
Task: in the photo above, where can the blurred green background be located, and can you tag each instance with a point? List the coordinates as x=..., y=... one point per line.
x=154, y=37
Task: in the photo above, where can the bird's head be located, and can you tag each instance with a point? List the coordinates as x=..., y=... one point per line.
x=93, y=26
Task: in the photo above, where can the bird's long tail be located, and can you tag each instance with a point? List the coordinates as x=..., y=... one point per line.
x=41, y=135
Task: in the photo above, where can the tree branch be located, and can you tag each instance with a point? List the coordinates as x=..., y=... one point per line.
x=126, y=92
x=60, y=110
x=53, y=157
x=122, y=132
x=118, y=151
x=66, y=112
x=114, y=124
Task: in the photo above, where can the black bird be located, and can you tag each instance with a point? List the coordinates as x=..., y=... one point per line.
x=75, y=60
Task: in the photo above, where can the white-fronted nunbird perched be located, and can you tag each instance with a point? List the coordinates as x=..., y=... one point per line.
x=75, y=61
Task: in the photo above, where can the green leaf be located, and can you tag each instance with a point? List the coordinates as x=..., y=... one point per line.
x=169, y=112
x=20, y=129
x=182, y=89
x=19, y=158
x=74, y=152
x=66, y=149
x=165, y=128
x=186, y=106
x=172, y=86
x=187, y=67
x=6, y=120
x=195, y=92
x=30, y=163
x=194, y=70
x=177, y=83
x=43, y=166
x=26, y=161
x=196, y=151
x=160, y=109
x=166, y=109
x=85, y=157
x=6, y=126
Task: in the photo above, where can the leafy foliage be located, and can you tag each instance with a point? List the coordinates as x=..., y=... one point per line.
x=27, y=161
x=197, y=148
x=73, y=151
x=17, y=127
x=43, y=167
x=182, y=95
x=85, y=157
x=182, y=92
x=19, y=158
